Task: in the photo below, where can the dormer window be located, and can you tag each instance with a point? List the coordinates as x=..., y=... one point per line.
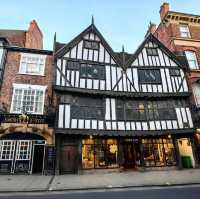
x=184, y=30
x=32, y=64
x=152, y=51
x=94, y=45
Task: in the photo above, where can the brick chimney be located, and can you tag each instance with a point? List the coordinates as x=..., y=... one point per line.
x=34, y=36
x=164, y=8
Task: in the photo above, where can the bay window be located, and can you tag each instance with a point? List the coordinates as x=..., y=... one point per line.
x=32, y=64
x=28, y=98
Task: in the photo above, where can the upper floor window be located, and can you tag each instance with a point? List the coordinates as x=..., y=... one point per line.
x=94, y=45
x=32, y=64
x=1, y=59
x=28, y=98
x=196, y=93
x=145, y=110
x=92, y=71
x=73, y=65
x=174, y=72
x=192, y=60
x=149, y=76
x=152, y=51
x=87, y=108
x=184, y=30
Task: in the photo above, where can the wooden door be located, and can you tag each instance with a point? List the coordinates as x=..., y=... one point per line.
x=68, y=160
x=129, y=156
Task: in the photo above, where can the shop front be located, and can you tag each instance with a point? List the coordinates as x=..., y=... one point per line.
x=83, y=153
x=128, y=153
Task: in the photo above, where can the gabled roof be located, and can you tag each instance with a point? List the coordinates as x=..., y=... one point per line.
x=152, y=38
x=92, y=28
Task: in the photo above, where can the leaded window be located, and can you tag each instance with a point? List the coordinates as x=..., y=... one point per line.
x=146, y=110
x=92, y=71
x=94, y=45
x=152, y=51
x=73, y=65
x=149, y=76
x=174, y=72
x=87, y=108
x=30, y=100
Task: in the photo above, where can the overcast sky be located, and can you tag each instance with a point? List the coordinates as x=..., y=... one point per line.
x=122, y=22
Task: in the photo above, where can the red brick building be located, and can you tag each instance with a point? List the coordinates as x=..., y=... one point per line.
x=180, y=32
x=25, y=101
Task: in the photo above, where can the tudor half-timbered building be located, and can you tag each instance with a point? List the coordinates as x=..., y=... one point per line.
x=120, y=110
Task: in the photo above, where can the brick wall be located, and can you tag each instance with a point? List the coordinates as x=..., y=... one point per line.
x=169, y=31
x=11, y=76
x=34, y=37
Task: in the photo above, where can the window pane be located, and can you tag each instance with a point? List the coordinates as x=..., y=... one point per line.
x=88, y=156
x=28, y=100
x=196, y=92
x=92, y=71
x=192, y=60
x=152, y=51
x=184, y=30
x=149, y=76
x=91, y=45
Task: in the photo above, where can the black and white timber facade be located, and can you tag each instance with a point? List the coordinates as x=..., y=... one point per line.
x=118, y=109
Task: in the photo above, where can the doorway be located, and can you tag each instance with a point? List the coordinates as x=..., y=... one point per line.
x=38, y=159
x=68, y=160
x=129, y=155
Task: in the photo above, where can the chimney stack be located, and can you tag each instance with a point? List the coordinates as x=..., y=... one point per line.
x=164, y=8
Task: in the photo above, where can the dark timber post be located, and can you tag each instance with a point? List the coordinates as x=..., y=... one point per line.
x=58, y=146
x=141, y=153
x=178, y=156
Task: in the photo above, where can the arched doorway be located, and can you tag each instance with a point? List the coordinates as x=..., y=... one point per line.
x=22, y=153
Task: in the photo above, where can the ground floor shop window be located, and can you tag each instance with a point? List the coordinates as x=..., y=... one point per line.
x=99, y=153
x=159, y=152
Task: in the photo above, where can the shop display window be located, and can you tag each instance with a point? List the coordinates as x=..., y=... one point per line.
x=99, y=153
x=159, y=152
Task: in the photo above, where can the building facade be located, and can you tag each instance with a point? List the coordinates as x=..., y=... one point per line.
x=120, y=110
x=180, y=32
x=26, y=107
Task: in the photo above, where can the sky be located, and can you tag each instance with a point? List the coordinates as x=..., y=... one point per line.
x=121, y=22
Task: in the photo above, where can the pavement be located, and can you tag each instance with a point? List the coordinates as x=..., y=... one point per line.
x=95, y=181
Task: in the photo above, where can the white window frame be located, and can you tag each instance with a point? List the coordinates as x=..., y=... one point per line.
x=186, y=33
x=21, y=144
x=4, y=144
x=41, y=63
x=196, y=90
x=188, y=54
x=27, y=86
